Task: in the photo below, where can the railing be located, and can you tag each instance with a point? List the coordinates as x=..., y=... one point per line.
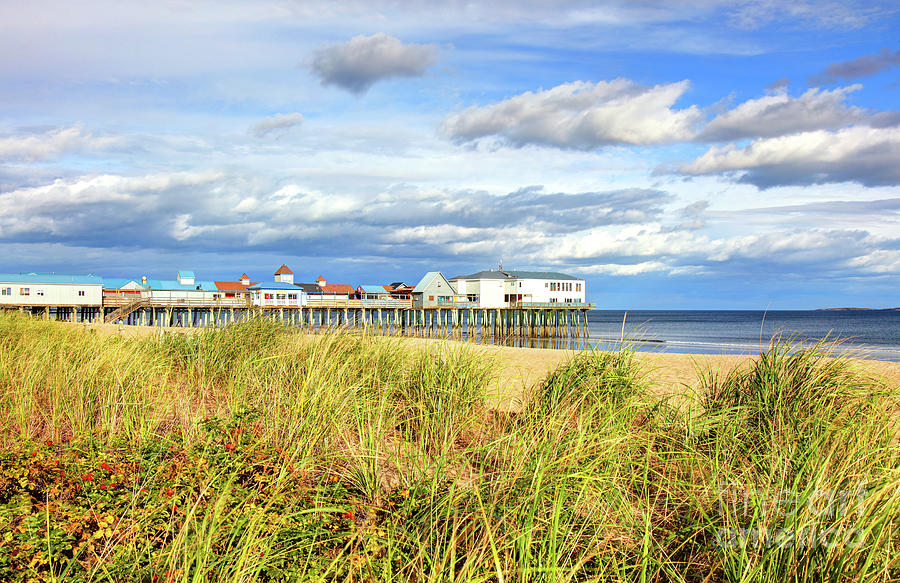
x=170, y=302
x=386, y=303
x=453, y=304
x=275, y=303
x=572, y=305
x=323, y=302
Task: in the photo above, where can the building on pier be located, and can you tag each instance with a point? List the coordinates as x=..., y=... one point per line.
x=277, y=294
x=323, y=293
x=51, y=289
x=512, y=288
x=400, y=290
x=185, y=290
x=236, y=290
x=433, y=290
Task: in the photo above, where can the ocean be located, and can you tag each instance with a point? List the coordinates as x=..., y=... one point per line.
x=870, y=333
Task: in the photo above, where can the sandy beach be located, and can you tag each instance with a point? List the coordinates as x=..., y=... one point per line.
x=670, y=374
x=520, y=369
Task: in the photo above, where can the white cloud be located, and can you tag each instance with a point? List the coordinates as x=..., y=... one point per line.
x=780, y=114
x=52, y=143
x=279, y=122
x=582, y=115
x=364, y=60
x=855, y=154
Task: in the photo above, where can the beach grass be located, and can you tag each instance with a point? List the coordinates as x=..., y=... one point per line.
x=259, y=452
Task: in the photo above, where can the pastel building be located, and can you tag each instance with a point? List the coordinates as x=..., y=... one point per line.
x=513, y=288
x=50, y=289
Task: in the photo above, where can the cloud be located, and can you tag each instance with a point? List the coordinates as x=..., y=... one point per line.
x=781, y=114
x=822, y=14
x=51, y=143
x=277, y=122
x=581, y=115
x=778, y=85
x=364, y=60
x=864, y=66
x=865, y=155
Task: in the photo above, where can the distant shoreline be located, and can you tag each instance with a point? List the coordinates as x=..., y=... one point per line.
x=858, y=309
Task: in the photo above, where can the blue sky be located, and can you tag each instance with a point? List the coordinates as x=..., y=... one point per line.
x=706, y=154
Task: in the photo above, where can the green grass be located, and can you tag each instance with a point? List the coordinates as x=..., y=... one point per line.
x=259, y=453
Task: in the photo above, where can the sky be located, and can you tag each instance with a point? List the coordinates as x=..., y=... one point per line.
x=704, y=154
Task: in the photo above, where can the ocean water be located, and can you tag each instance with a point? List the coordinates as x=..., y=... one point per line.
x=869, y=333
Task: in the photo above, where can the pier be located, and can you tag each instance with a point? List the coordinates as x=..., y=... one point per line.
x=388, y=317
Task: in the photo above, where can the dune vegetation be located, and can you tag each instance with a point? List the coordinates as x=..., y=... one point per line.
x=257, y=452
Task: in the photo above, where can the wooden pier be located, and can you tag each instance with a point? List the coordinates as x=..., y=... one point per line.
x=542, y=321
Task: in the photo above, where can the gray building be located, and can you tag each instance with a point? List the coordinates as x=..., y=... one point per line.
x=434, y=290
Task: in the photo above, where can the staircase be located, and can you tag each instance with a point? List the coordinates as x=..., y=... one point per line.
x=125, y=310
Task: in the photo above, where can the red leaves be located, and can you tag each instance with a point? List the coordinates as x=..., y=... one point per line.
x=106, y=466
x=229, y=447
x=169, y=491
x=348, y=515
x=88, y=477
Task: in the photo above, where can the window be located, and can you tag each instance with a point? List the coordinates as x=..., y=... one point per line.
x=24, y=291
x=546, y=284
x=430, y=298
x=280, y=296
x=81, y=293
x=577, y=287
x=7, y=291
x=269, y=296
x=292, y=296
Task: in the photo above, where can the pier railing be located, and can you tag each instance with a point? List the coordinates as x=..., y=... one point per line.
x=555, y=305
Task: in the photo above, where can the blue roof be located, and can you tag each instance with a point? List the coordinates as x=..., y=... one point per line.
x=77, y=279
x=118, y=282
x=182, y=273
x=173, y=285
x=276, y=285
x=373, y=289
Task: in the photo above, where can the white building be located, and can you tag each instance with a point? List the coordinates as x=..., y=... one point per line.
x=50, y=289
x=277, y=294
x=510, y=288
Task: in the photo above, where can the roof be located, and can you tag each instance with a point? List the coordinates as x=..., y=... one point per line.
x=338, y=288
x=510, y=274
x=332, y=288
x=373, y=289
x=232, y=285
x=274, y=285
x=244, y=276
x=540, y=275
x=183, y=273
x=118, y=282
x=397, y=284
x=492, y=274
x=173, y=285
x=284, y=269
x=427, y=279
x=59, y=278
x=320, y=278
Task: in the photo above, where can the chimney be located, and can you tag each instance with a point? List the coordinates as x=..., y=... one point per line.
x=143, y=280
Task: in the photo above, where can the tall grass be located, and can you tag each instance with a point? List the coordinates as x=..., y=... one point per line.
x=259, y=453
